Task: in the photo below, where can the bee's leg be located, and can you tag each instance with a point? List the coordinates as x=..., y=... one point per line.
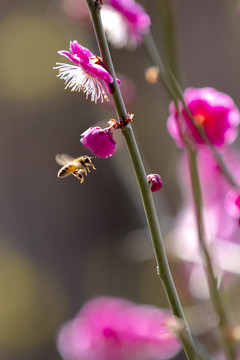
x=79, y=176
x=88, y=169
x=92, y=166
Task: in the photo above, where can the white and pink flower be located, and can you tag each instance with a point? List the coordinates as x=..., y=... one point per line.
x=125, y=22
x=87, y=74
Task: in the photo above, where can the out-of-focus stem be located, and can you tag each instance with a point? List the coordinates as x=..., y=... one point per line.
x=176, y=94
x=224, y=326
x=167, y=24
x=154, y=228
x=155, y=58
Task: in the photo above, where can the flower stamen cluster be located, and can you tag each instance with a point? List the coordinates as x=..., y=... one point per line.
x=87, y=74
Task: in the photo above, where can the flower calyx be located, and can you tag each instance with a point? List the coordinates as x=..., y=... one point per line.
x=123, y=122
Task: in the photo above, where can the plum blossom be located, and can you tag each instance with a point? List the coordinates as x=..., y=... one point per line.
x=232, y=203
x=220, y=212
x=213, y=113
x=109, y=328
x=156, y=182
x=125, y=22
x=88, y=73
x=100, y=141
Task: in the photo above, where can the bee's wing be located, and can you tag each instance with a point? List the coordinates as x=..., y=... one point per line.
x=63, y=159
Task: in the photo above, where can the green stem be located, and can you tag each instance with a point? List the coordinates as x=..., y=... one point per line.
x=175, y=91
x=167, y=23
x=155, y=58
x=154, y=228
x=224, y=326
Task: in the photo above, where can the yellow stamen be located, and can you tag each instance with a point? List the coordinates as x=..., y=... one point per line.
x=152, y=74
x=199, y=120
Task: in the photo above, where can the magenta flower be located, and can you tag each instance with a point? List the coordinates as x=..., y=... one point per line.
x=88, y=73
x=156, y=182
x=125, y=22
x=115, y=329
x=100, y=141
x=213, y=112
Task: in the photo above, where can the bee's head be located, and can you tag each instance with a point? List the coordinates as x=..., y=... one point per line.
x=88, y=160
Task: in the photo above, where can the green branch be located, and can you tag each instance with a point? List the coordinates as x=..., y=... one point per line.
x=224, y=326
x=162, y=263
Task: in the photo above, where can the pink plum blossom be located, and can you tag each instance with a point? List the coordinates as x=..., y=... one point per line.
x=115, y=329
x=156, y=182
x=100, y=141
x=232, y=203
x=213, y=113
x=124, y=22
x=88, y=73
x=220, y=212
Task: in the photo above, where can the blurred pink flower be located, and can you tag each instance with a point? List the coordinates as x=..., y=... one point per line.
x=221, y=356
x=88, y=73
x=222, y=228
x=115, y=329
x=232, y=203
x=156, y=182
x=124, y=22
x=213, y=112
x=76, y=9
x=100, y=141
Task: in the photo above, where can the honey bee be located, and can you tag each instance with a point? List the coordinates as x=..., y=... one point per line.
x=75, y=166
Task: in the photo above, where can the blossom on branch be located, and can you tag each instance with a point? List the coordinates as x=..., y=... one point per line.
x=115, y=329
x=125, y=22
x=100, y=141
x=87, y=74
x=214, y=114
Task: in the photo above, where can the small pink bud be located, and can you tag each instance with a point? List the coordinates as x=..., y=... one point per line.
x=156, y=182
x=100, y=141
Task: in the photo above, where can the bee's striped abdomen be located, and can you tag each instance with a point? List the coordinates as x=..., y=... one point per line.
x=67, y=170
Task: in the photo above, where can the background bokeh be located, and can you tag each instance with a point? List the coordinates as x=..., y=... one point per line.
x=61, y=242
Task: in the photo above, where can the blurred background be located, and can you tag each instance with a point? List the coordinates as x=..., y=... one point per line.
x=62, y=242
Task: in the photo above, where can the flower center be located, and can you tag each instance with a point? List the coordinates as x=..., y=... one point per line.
x=199, y=120
x=96, y=60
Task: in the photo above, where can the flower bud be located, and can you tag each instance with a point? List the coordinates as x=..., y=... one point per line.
x=100, y=141
x=156, y=182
